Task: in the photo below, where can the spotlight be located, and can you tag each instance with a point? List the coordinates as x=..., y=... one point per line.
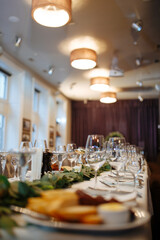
x=140, y=98
x=139, y=83
x=157, y=87
x=137, y=26
x=51, y=70
x=18, y=41
x=138, y=62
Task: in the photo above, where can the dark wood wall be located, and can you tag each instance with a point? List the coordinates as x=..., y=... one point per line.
x=137, y=121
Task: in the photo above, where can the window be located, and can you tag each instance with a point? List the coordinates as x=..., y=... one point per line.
x=36, y=100
x=3, y=85
x=1, y=131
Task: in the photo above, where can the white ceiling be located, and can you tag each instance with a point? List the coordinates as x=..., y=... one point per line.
x=105, y=26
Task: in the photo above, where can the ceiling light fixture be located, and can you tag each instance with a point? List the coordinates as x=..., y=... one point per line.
x=83, y=58
x=51, y=70
x=108, y=97
x=51, y=13
x=100, y=84
x=137, y=26
x=18, y=41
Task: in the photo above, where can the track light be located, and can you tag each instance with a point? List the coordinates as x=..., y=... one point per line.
x=138, y=62
x=18, y=41
x=51, y=70
x=139, y=83
x=140, y=98
x=137, y=26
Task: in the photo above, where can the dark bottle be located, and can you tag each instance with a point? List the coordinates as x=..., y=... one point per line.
x=46, y=164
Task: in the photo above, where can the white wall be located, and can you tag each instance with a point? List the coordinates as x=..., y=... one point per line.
x=14, y=114
x=19, y=104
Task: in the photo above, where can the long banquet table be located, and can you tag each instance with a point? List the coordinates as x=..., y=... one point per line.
x=40, y=232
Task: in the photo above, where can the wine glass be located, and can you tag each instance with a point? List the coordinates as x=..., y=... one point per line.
x=81, y=152
x=60, y=156
x=134, y=163
x=23, y=156
x=115, y=145
x=14, y=162
x=3, y=160
x=72, y=155
x=95, y=152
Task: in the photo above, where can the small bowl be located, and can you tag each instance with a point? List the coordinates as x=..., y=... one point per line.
x=114, y=213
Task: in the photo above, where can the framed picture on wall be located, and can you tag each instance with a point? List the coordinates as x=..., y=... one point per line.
x=26, y=136
x=26, y=125
x=51, y=136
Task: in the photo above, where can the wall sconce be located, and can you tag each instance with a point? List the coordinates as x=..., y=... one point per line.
x=100, y=84
x=18, y=41
x=51, y=13
x=83, y=58
x=108, y=97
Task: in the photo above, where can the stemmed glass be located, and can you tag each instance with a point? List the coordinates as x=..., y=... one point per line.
x=23, y=155
x=60, y=153
x=95, y=152
x=115, y=145
x=71, y=152
x=134, y=164
x=14, y=162
x=81, y=152
x=3, y=160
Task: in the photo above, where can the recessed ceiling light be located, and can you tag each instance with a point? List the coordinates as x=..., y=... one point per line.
x=13, y=19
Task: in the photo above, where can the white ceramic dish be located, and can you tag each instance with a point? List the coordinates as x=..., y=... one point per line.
x=140, y=218
x=114, y=213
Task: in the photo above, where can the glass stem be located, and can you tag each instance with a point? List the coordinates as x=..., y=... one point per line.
x=59, y=166
x=95, y=183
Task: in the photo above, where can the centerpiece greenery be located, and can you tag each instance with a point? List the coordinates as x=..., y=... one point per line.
x=113, y=134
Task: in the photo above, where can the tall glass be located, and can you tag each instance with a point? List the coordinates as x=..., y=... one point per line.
x=60, y=155
x=71, y=152
x=3, y=154
x=95, y=152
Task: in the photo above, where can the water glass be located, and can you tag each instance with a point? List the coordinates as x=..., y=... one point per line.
x=95, y=152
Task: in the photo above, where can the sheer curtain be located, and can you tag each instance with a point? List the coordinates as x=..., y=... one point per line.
x=137, y=121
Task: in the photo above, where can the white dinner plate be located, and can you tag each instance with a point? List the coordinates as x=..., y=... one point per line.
x=140, y=218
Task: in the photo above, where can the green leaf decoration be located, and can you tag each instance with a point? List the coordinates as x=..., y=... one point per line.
x=7, y=223
x=4, y=186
